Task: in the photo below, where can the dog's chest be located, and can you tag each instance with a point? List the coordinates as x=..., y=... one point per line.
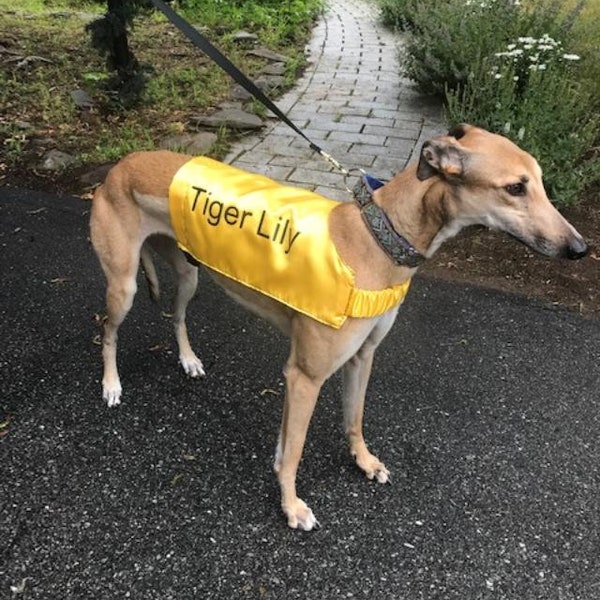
x=271, y=238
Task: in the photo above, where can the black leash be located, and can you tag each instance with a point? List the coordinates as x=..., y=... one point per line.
x=393, y=244
x=224, y=63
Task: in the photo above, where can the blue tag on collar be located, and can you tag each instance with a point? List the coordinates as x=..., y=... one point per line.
x=372, y=182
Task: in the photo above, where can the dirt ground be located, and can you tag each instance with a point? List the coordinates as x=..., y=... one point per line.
x=494, y=260
x=477, y=255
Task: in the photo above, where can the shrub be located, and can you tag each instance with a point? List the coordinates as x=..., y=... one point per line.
x=447, y=38
x=544, y=111
x=512, y=69
x=398, y=13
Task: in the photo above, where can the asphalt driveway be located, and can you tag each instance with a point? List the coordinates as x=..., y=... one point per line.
x=484, y=406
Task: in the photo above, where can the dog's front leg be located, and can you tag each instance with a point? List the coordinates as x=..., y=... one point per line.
x=301, y=397
x=355, y=377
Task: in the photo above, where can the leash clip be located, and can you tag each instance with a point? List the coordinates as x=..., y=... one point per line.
x=345, y=172
x=359, y=172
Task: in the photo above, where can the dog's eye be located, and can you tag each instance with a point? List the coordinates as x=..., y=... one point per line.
x=516, y=189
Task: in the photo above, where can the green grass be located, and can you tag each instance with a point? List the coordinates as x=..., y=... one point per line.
x=44, y=6
x=181, y=81
x=278, y=23
x=132, y=137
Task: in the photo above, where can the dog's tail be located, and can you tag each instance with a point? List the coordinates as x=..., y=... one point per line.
x=150, y=272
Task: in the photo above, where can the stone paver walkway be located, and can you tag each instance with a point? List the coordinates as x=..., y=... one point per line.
x=351, y=101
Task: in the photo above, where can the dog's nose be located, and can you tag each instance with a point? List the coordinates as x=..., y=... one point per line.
x=576, y=249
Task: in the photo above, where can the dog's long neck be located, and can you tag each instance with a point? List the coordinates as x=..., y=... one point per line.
x=420, y=211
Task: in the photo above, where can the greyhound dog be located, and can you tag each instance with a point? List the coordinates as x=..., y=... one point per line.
x=467, y=177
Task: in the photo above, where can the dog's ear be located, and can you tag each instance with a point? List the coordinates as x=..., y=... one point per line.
x=460, y=130
x=440, y=157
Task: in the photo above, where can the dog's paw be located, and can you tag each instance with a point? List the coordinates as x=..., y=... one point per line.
x=112, y=395
x=373, y=467
x=300, y=516
x=382, y=475
x=192, y=365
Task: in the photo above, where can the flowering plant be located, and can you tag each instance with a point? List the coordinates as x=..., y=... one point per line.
x=529, y=54
x=527, y=93
x=526, y=88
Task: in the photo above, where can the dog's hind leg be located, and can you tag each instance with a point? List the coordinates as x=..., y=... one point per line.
x=150, y=272
x=119, y=254
x=120, y=268
x=187, y=282
x=119, y=298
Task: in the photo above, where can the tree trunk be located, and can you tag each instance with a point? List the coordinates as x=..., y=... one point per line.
x=122, y=59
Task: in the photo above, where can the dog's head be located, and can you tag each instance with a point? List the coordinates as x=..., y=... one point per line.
x=491, y=181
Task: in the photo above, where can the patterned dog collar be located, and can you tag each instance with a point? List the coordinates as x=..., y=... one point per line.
x=400, y=250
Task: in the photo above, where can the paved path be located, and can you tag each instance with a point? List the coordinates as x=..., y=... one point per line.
x=351, y=101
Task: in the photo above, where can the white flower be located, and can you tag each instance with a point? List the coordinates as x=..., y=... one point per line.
x=546, y=39
x=526, y=40
x=512, y=52
x=521, y=134
x=571, y=57
x=497, y=76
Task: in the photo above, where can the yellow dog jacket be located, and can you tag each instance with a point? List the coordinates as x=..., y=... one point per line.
x=271, y=238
